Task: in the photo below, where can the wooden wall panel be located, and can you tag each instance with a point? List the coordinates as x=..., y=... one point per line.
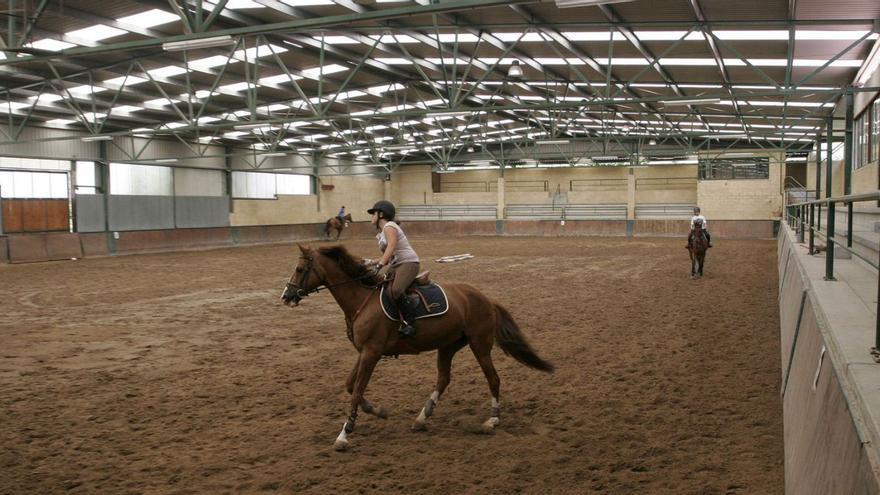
x=57, y=215
x=33, y=215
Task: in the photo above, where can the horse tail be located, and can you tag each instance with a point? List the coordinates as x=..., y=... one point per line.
x=514, y=343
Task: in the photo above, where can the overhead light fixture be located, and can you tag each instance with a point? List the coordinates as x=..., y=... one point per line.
x=399, y=147
x=167, y=160
x=515, y=70
x=179, y=46
x=552, y=141
x=458, y=113
x=470, y=149
x=652, y=142
x=692, y=101
x=245, y=127
x=567, y=4
x=96, y=138
x=605, y=158
x=731, y=136
x=737, y=155
x=270, y=155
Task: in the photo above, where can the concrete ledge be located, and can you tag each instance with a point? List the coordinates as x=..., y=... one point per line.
x=831, y=385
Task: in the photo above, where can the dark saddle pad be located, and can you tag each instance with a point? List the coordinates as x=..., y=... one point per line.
x=432, y=301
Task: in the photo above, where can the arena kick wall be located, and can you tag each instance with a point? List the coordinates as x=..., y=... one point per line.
x=829, y=381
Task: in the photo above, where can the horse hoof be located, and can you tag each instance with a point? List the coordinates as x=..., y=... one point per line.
x=420, y=426
x=489, y=425
x=340, y=445
x=382, y=413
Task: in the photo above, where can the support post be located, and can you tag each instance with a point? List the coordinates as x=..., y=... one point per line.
x=812, y=232
x=829, y=242
x=848, y=164
x=499, y=214
x=818, y=180
x=631, y=194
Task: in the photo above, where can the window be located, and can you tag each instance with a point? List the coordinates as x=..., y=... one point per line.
x=140, y=180
x=264, y=185
x=194, y=182
x=757, y=167
x=875, y=131
x=42, y=185
x=86, y=181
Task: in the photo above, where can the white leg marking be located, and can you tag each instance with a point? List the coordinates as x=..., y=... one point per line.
x=341, y=442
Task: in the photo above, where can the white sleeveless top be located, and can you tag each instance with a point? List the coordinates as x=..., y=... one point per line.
x=403, y=253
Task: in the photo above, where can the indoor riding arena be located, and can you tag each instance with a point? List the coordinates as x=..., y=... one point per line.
x=656, y=223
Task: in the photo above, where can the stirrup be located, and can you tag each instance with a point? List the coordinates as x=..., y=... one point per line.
x=406, y=330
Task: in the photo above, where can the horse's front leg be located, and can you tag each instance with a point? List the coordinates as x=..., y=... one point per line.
x=366, y=406
x=366, y=364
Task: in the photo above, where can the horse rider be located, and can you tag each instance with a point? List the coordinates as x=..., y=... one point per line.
x=341, y=215
x=397, y=256
x=698, y=216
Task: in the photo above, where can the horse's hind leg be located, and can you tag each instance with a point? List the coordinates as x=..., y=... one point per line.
x=366, y=406
x=444, y=375
x=484, y=357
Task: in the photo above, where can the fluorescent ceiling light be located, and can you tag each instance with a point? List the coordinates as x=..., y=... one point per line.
x=50, y=45
x=60, y=122
x=692, y=101
x=96, y=138
x=149, y=18
x=269, y=155
x=178, y=46
x=167, y=160
x=400, y=147
x=552, y=141
x=168, y=71
x=737, y=155
x=246, y=127
x=565, y=4
x=97, y=32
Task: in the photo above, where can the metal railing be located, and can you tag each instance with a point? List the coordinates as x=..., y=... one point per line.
x=804, y=218
x=447, y=212
x=682, y=211
x=594, y=184
x=567, y=212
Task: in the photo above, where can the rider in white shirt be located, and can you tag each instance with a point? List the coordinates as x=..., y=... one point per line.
x=698, y=216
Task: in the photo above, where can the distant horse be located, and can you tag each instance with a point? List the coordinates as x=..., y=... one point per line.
x=698, y=248
x=336, y=223
x=472, y=319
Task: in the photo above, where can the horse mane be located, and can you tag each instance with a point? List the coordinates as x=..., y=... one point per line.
x=351, y=266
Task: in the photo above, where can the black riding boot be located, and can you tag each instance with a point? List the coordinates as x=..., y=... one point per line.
x=690, y=240
x=407, y=304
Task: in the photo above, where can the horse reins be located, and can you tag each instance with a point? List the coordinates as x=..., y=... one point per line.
x=303, y=293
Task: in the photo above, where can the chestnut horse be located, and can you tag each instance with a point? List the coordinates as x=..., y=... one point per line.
x=698, y=248
x=472, y=319
x=336, y=223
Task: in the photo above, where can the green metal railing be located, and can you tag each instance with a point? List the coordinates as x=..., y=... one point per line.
x=802, y=216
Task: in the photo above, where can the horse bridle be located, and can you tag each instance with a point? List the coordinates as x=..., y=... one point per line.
x=303, y=293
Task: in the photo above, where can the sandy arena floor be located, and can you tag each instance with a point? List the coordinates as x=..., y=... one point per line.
x=182, y=373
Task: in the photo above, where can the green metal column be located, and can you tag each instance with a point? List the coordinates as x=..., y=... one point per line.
x=829, y=248
x=848, y=164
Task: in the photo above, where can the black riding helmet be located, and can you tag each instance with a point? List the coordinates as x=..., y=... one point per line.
x=386, y=207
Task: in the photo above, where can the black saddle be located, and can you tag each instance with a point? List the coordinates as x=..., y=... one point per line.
x=432, y=301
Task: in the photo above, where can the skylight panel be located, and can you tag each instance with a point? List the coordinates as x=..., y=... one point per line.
x=51, y=45
x=14, y=106
x=808, y=34
x=45, y=99
x=239, y=4
x=59, y=122
x=125, y=81
x=210, y=62
x=126, y=109
x=307, y=3
x=279, y=79
x=166, y=72
x=752, y=35
x=159, y=102
x=384, y=88
x=97, y=32
x=237, y=87
x=86, y=89
x=258, y=52
x=149, y=18
x=460, y=37
x=666, y=35
x=316, y=72
x=393, y=60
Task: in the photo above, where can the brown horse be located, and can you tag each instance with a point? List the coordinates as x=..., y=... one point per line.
x=698, y=248
x=472, y=319
x=336, y=223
